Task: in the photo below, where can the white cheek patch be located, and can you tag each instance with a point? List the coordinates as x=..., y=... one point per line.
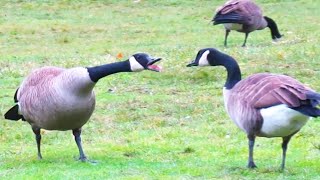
x=134, y=65
x=204, y=59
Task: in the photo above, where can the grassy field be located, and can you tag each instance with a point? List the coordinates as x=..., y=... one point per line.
x=169, y=125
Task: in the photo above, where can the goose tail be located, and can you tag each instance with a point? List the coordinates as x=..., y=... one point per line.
x=311, y=108
x=314, y=98
x=13, y=114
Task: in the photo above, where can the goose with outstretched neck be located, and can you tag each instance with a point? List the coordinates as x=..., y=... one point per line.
x=55, y=98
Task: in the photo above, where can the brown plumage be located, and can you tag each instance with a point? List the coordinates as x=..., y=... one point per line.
x=62, y=99
x=263, y=104
x=42, y=92
x=259, y=91
x=244, y=16
x=265, y=90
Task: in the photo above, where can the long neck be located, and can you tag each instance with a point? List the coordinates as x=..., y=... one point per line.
x=99, y=72
x=234, y=73
x=273, y=28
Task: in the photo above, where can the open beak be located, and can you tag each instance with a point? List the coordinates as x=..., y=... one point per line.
x=152, y=66
x=193, y=63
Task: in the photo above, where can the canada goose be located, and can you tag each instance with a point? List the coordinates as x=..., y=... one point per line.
x=263, y=104
x=55, y=98
x=244, y=16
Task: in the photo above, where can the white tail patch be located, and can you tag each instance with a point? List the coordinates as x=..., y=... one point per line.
x=203, y=61
x=233, y=26
x=281, y=121
x=135, y=65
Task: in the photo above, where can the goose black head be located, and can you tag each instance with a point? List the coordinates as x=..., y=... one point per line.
x=275, y=34
x=206, y=57
x=213, y=57
x=142, y=61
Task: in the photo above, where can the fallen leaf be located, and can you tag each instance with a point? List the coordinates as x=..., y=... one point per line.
x=119, y=56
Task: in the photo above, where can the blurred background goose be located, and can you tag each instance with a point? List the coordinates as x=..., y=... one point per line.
x=263, y=104
x=244, y=16
x=55, y=98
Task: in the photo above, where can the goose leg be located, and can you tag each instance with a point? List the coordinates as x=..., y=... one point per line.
x=245, y=40
x=251, y=139
x=37, y=132
x=226, y=37
x=77, y=138
x=285, y=141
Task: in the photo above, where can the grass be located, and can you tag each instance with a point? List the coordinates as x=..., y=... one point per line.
x=169, y=125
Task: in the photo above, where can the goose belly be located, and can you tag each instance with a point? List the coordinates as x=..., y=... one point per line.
x=281, y=121
x=59, y=115
x=69, y=121
x=233, y=26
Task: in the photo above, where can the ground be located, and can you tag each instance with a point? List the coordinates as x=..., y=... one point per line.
x=169, y=125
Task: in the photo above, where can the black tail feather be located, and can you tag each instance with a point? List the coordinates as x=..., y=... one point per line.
x=314, y=98
x=310, y=109
x=13, y=114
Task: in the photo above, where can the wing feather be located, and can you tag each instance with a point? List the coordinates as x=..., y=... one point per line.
x=264, y=90
x=246, y=10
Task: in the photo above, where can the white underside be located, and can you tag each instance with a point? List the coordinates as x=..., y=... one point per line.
x=233, y=26
x=281, y=121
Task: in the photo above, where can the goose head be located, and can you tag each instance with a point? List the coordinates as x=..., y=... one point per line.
x=207, y=57
x=143, y=61
x=137, y=62
x=213, y=57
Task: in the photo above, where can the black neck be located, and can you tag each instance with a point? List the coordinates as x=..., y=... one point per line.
x=99, y=72
x=273, y=28
x=234, y=73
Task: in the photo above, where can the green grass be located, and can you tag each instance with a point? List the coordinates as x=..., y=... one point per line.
x=169, y=125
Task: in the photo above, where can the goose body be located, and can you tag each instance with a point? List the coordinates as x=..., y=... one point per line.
x=263, y=104
x=57, y=99
x=62, y=99
x=244, y=16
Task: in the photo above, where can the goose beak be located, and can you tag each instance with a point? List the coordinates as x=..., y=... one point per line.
x=152, y=67
x=193, y=63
